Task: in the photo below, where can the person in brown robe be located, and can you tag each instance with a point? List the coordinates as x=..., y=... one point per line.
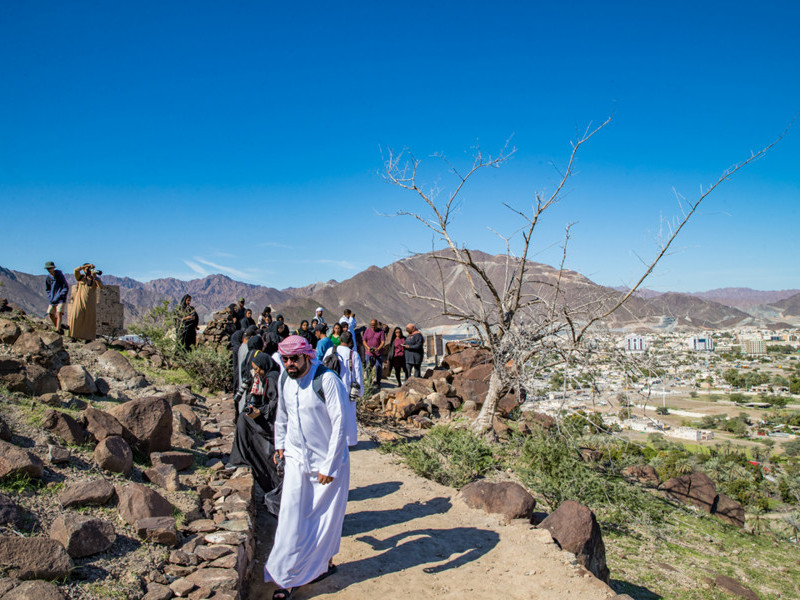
x=83, y=309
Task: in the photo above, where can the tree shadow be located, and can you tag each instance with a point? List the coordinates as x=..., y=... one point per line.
x=370, y=520
x=637, y=592
x=456, y=547
x=374, y=490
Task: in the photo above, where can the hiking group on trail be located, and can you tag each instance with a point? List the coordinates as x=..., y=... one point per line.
x=295, y=403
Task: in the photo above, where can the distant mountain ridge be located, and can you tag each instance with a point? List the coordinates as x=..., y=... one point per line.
x=397, y=294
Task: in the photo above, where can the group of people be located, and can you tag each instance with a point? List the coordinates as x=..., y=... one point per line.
x=295, y=402
x=82, y=321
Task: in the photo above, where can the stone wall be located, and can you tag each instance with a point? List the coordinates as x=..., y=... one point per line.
x=110, y=312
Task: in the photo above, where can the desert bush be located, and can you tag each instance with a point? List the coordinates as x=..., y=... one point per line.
x=209, y=366
x=448, y=456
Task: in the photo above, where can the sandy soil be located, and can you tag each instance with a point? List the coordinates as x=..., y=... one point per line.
x=408, y=537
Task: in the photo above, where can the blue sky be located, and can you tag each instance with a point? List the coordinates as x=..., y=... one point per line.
x=187, y=138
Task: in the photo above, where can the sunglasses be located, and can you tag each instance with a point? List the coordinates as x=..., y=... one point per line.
x=292, y=358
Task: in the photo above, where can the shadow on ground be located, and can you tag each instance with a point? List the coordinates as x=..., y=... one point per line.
x=370, y=520
x=637, y=592
x=374, y=490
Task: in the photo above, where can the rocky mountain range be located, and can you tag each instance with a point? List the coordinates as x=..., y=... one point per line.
x=406, y=290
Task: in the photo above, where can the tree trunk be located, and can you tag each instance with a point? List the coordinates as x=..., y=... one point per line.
x=484, y=421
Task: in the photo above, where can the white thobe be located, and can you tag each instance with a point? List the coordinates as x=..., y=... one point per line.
x=312, y=434
x=350, y=371
x=351, y=324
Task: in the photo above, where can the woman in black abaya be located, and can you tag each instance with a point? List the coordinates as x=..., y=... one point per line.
x=253, y=444
x=187, y=323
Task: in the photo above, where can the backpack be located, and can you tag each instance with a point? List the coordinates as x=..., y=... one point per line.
x=333, y=362
x=316, y=383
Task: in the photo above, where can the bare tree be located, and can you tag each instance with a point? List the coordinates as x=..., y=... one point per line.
x=528, y=323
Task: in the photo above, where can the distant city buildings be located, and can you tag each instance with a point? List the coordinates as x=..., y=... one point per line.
x=753, y=346
x=702, y=343
x=635, y=343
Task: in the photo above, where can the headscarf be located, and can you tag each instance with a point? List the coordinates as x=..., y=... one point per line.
x=251, y=330
x=295, y=344
x=183, y=300
x=255, y=343
x=262, y=361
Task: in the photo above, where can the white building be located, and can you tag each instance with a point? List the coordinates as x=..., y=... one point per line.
x=690, y=433
x=702, y=343
x=635, y=343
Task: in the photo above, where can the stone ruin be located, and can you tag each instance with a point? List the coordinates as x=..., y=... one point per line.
x=110, y=312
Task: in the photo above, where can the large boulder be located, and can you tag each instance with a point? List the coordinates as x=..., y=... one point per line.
x=96, y=492
x=34, y=557
x=505, y=498
x=468, y=358
x=473, y=384
x=114, y=454
x=82, y=535
x=574, y=528
x=40, y=381
x=538, y=419
x=180, y=460
x=64, y=426
x=101, y=424
x=116, y=366
x=507, y=403
x=729, y=510
x=184, y=419
x=9, y=332
x=164, y=476
x=147, y=423
x=76, y=380
x=137, y=501
x=16, y=460
x=696, y=489
x=45, y=349
x=644, y=474
x=13, y=376
x=34, y=590
x=29, y=344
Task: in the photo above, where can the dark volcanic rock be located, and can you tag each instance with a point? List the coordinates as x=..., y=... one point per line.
x=41, y=381
x=64, y=426
x=160, y=530
x=473, y=384
x=179, y=460
x=466, y=359
x=165, y=476
x=574, y=527
x=13, y=376
x=116, y=366
x=12, y=513
x=506, y=498
x=147, y=423
x=34, y=590
x=729, y=510
x=644, y=474
x=137, y=501
x=82, y=535
x=9, y=332
x=114, y=454
x=76, y=380
x=101, y=424
x=5, y=431
x=34, y=557
x=97, y=492
x=696, y=489
x=14, y=459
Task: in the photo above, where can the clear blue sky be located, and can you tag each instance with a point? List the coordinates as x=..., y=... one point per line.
x=184, y=138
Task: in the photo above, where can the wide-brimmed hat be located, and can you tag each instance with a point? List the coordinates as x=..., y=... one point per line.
x=49, y=265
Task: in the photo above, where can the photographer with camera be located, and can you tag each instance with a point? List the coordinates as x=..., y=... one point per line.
x=253, y=444
x=83, y=309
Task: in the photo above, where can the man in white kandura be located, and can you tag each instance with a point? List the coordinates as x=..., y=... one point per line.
x=351, y=372
x=310, y=434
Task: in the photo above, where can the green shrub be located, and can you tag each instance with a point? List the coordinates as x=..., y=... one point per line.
x=448, y=456
x=210, y=366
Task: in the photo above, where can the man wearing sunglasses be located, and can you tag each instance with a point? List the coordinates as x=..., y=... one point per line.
x=310, y=435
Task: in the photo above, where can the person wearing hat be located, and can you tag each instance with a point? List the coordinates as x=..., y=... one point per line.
x=57, y=289
x=318, y=315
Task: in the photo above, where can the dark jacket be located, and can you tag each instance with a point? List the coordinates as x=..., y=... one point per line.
x=57, y=287
x=414, y=351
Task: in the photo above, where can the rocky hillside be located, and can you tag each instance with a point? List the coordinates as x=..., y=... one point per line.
x=403, y=291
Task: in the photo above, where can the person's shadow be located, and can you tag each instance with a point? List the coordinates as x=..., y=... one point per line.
x=442, y=549
x=374, y=490
x=371, y=520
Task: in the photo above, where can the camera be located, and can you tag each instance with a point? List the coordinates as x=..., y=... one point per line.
x=280, y=465
x=249, y=409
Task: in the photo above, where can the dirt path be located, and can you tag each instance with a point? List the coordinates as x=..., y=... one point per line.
x=408, y=537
